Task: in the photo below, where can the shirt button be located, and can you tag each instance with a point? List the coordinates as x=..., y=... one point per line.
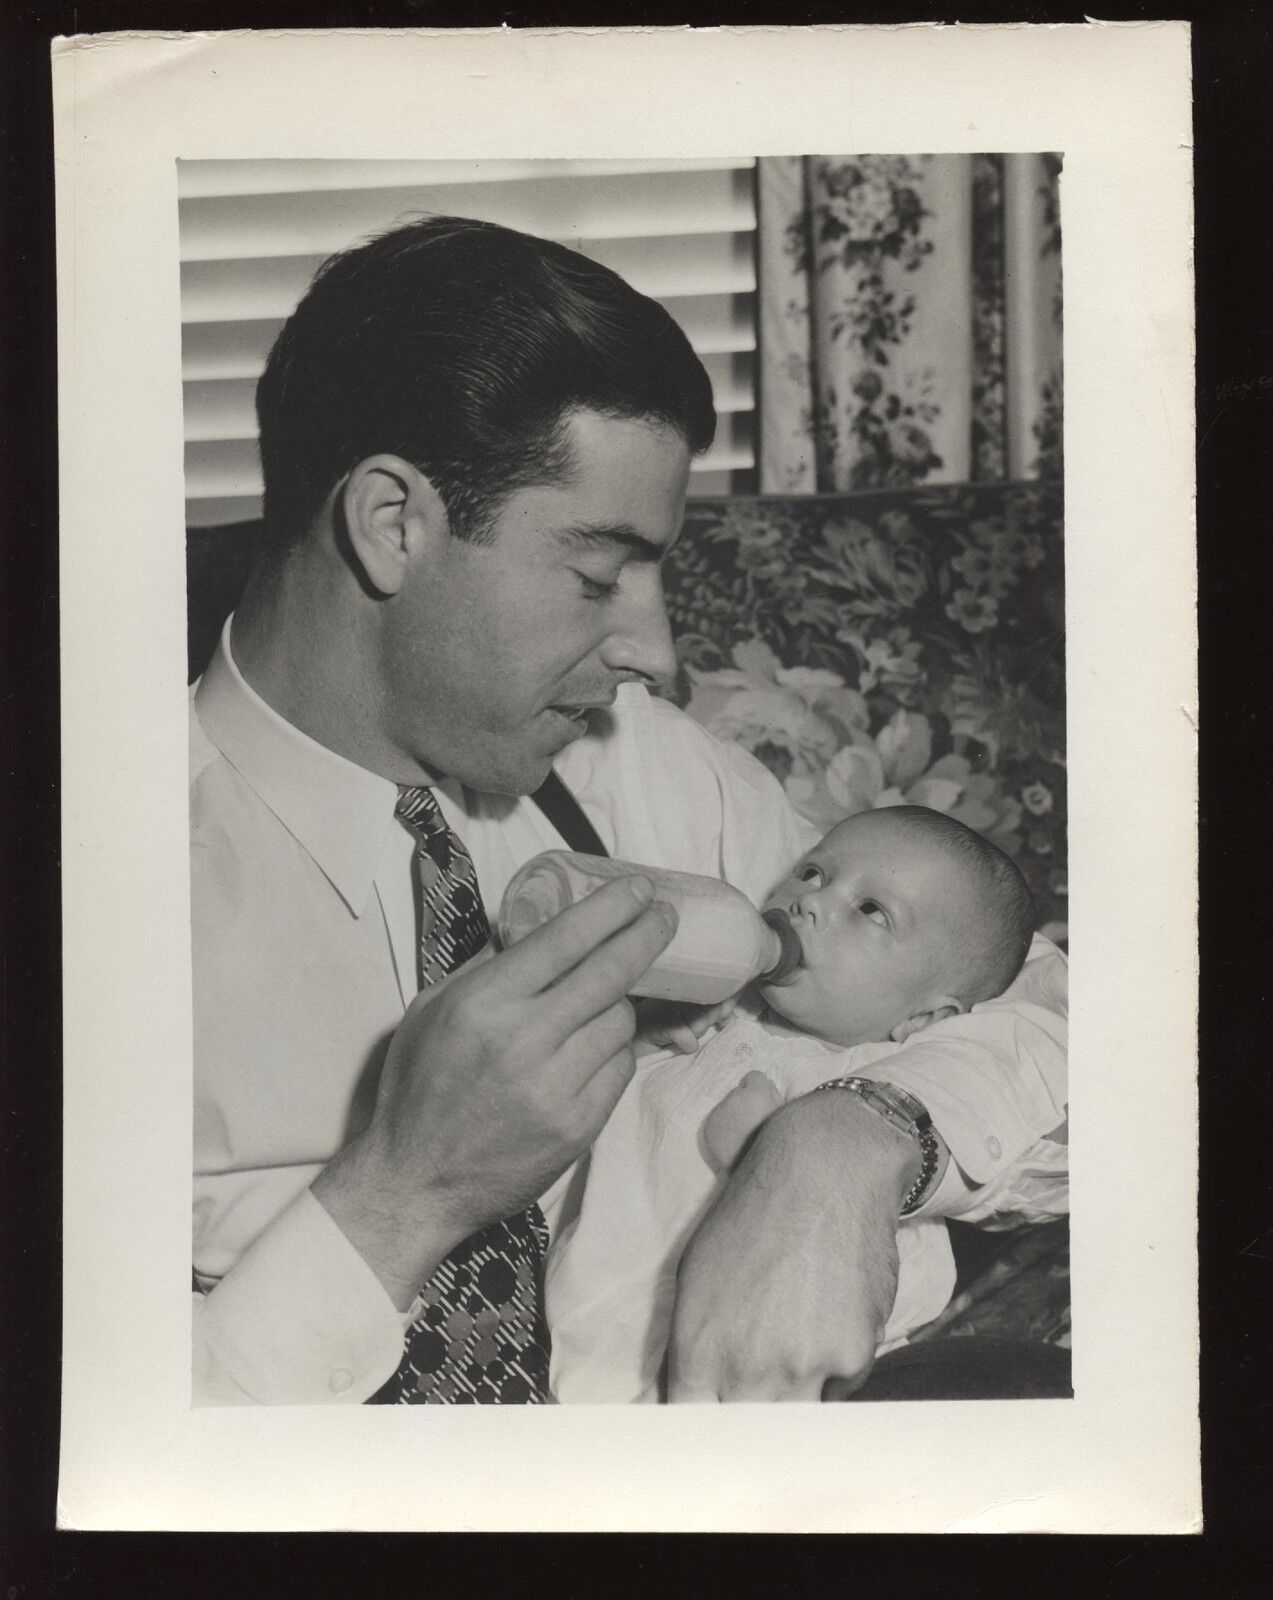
x=341, y=1380
x=994, y=1147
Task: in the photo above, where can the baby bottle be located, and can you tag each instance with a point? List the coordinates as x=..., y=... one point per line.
x=721, y=942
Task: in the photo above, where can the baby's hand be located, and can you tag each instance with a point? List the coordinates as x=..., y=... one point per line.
x=677, y=1024
x=731, y=1124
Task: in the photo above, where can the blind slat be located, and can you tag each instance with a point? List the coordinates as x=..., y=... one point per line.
x=226, y=408
x=232, y=291
x=219, y=350
x=256, y=226
x=708, y=264
x=217, y=468
x=221, y=410
x=214, y=513
x=713, y=324
x=197, y=180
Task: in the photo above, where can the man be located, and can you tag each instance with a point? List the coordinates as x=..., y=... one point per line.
x=476, y=449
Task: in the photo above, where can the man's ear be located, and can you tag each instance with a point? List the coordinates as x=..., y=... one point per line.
x=391, y=514
x=945, y=1006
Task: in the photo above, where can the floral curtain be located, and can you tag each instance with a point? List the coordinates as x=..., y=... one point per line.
x=909, y=320
x=885, y=622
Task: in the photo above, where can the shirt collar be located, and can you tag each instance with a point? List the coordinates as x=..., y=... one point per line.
x=338, y=811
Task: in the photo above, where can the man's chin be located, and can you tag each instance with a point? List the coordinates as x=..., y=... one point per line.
x=504, y=775
x=515, y=764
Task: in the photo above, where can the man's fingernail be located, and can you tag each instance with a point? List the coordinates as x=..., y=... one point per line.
x=669, y=914
x=642, y=890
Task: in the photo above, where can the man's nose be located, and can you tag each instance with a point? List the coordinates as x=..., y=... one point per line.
x=640, y=643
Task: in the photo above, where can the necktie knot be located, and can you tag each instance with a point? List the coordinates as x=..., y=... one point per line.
x=418, y=809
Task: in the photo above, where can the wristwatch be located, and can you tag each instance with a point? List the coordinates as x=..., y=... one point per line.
x=907, y=1115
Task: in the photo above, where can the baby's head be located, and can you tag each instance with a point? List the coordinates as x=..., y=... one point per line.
x=905, y=917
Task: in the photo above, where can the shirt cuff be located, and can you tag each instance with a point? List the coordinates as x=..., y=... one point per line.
x=993, y=1084
x=300, y=1319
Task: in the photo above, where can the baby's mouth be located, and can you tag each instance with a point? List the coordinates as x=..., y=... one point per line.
x=791, y=948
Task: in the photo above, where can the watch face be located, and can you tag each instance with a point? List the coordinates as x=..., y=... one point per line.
x=899, y=1105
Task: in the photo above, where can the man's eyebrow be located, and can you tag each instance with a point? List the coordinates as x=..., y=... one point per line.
x=596, y=536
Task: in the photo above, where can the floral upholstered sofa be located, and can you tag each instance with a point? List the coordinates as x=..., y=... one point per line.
x=900, y=645
x=903, y=645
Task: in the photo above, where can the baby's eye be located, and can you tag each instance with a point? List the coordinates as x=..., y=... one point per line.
x=875, y=911
x=810, y=874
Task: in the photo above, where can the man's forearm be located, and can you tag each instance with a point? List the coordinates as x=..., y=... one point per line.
x=791, y=1277
x=402, y=1246
x=859, y=1149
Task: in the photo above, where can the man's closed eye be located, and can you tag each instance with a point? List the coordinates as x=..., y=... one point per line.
x=595, y=589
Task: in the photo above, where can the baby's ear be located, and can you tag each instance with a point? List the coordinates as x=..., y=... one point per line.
x=946, y=1006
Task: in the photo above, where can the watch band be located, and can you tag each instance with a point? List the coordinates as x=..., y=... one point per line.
x=908, y=1115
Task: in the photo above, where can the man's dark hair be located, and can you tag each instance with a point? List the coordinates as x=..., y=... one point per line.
x=996, y=946
x=462, y=346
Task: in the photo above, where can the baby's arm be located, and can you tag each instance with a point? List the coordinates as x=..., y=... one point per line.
x=675, y=1024
x=731, y=1124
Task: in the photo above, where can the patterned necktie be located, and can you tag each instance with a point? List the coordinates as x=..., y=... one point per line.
x=481, y=1338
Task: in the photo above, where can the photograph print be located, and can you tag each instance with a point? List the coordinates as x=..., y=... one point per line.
x=626, y=617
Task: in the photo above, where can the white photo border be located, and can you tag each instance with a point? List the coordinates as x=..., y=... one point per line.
x=1114, y=99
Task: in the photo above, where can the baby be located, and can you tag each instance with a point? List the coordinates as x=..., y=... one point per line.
x=905, y=918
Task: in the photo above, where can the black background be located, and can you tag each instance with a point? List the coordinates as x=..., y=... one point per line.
x=1233, y=69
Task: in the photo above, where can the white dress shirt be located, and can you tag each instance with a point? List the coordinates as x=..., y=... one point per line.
x=305, y=943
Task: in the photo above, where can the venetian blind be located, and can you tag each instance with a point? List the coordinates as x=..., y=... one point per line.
x=253, y=233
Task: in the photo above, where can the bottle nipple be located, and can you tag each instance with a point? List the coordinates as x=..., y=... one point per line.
x=789, y=954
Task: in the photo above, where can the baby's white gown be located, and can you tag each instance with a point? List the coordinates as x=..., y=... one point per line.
x=611, y=1275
